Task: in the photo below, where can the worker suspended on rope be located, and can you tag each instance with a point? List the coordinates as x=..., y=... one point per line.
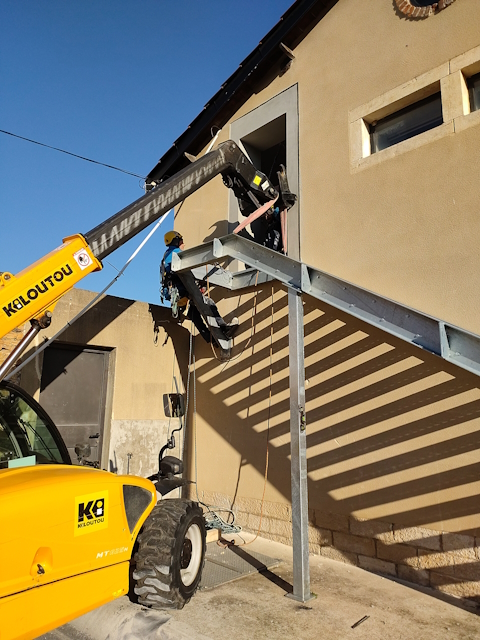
x=173, y=289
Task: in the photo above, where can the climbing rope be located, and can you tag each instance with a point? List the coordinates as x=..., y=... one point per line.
x=212, y=519
x=252, y=328
x=188, y=396
x=252, y=332
x=268, y=430
x=173, y=383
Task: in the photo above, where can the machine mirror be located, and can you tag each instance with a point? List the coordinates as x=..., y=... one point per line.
x=174, y=405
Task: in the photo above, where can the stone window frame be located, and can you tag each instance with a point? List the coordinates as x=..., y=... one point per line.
x=449, y=78
x=284, y=103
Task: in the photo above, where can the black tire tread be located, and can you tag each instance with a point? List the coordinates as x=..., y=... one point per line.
x=153, y=573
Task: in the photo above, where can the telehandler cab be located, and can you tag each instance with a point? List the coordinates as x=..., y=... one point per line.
x=70, y=536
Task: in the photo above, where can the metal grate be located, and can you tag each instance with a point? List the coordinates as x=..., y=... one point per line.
x=231, y=563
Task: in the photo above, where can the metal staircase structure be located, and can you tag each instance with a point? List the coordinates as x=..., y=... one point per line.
x=447, y=341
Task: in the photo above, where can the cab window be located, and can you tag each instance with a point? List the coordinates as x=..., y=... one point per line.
x=24, y=433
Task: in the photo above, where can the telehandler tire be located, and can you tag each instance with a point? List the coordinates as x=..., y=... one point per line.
x=171, y=554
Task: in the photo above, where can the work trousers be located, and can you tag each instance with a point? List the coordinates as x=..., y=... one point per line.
x=196, y=317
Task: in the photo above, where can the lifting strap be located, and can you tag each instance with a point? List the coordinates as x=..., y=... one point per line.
x=259, y=212
x=256, y=214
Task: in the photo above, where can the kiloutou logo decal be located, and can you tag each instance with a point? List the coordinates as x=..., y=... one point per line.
x=91, y=512
x=37, y=290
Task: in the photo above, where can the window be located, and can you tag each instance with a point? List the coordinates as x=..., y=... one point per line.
x=406, y=123
x=441, y=102
x=269, y=136
x=26, y=431
x=267, y=148
x=473, y=84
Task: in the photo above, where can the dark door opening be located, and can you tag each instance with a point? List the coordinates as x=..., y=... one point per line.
x=73, y=391
x=267, y=150
x=267, y=147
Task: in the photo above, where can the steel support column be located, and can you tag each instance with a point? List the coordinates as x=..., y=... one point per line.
x=298, y=449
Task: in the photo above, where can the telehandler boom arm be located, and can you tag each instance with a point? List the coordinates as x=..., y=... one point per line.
x=32, y=294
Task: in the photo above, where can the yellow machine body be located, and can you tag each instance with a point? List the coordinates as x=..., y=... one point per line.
x=66, y=539
x=37, y=289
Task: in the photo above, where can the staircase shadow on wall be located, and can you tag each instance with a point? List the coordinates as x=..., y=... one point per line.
x=393, y=431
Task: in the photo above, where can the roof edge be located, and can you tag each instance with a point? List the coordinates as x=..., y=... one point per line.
x=267, y=58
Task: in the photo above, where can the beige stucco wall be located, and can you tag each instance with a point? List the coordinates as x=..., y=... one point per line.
x=385, y=419
x=392, y=443
x=407, y=227
x=393, y=454
x=140, y=371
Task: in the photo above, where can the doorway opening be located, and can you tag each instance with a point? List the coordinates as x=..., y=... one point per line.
x=73, y=391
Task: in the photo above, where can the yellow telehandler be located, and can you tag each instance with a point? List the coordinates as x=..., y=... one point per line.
x=73, y=537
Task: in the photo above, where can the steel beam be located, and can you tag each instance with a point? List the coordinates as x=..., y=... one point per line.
x=397, y=319
x=249, y=278
x=214, y=275
x=191, y=258
x=460, y=347
x=270, y=262
x=298, y=449
x=452, y=343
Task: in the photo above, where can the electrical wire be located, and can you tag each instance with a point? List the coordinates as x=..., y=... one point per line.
x=69, y=153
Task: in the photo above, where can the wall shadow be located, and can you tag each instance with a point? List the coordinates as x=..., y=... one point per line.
x=393, y=431
x=85, y=329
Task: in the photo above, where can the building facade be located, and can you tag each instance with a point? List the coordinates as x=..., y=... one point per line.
x=373, y=111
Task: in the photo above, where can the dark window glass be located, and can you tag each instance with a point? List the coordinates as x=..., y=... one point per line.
x=407, y=123
x=25, y=431
x=474, y=90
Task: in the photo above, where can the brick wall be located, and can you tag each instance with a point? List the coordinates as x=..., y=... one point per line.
x=445, y=561
x=413, y=11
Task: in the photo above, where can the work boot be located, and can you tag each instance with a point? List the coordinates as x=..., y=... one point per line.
x=231, y=329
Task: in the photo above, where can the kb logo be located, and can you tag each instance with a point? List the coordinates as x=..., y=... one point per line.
x=91, y=509
x=91, y=512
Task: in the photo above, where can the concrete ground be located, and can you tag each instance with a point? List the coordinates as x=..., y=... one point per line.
x=255, y=608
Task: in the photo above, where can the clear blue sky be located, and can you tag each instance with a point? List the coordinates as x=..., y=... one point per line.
x=117, y=82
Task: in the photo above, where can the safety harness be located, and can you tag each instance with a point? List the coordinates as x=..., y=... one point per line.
x=168, y=287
